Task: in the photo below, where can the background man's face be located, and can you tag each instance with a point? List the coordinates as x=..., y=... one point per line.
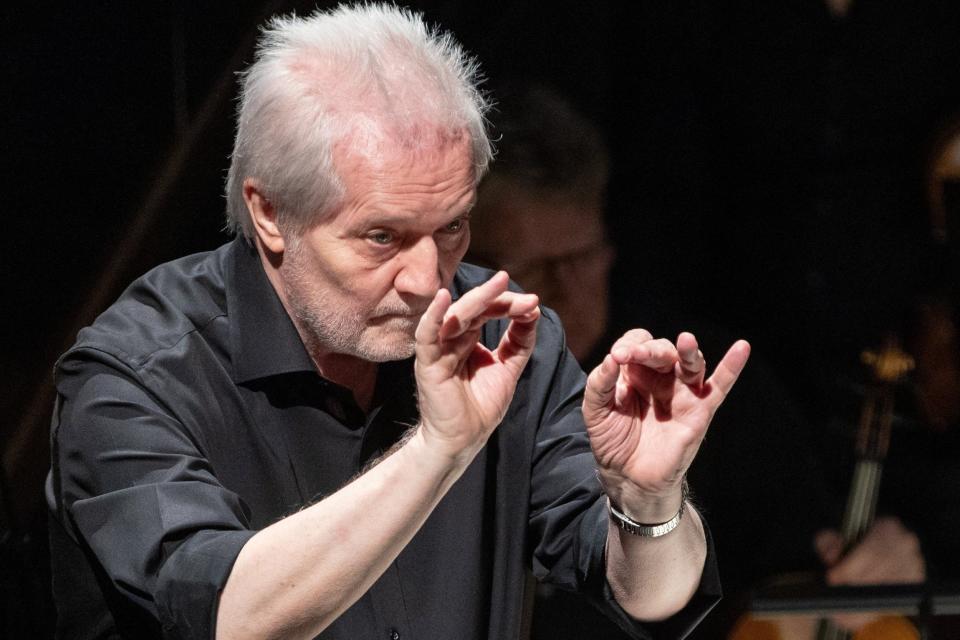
x=553, y=246
x=359, y=281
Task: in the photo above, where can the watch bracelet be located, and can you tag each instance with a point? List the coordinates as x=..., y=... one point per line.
x=631, y=526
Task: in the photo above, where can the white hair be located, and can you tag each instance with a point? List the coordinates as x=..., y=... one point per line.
x=360, y=76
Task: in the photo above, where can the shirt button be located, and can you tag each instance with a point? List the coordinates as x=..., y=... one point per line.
x=394, y=634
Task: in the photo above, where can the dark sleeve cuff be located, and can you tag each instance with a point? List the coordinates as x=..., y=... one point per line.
x=190, y=584
x=132, y=486
x=679, y=625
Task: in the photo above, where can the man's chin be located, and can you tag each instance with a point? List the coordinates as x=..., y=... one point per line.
x=388, y=345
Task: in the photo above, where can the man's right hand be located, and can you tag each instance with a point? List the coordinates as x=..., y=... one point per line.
x=295, y=577
x=464, y=388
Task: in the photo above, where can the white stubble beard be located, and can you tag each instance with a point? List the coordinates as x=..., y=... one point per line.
x=337, y=326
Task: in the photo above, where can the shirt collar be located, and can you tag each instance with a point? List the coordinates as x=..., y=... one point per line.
x=264, y=339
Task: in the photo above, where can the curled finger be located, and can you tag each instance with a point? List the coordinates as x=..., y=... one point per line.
x=509, y=304
x=659, y=355
x=691, y=365
x=460, y=315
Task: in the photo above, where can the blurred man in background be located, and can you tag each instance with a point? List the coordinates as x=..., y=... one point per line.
x=541, y=214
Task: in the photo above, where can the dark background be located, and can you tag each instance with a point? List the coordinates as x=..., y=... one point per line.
x=767, y=171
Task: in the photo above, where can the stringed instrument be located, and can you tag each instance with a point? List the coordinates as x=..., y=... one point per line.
x=889, y=366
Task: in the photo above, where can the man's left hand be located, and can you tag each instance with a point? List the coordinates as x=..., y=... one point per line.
x=647, y=408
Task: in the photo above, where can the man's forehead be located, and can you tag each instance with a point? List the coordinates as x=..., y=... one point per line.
x=371, y=145
x=403, y=185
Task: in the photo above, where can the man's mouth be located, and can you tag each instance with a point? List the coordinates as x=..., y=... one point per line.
x=397, y=317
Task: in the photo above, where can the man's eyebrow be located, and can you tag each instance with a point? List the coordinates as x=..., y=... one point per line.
x=386, y=217
x=470, y=206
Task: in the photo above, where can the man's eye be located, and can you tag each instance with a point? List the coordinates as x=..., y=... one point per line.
x=456, y=226
x=381, y=237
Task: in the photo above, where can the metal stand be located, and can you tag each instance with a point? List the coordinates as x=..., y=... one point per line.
x=923, y=602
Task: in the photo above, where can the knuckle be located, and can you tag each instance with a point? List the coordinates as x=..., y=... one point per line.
x=638, y=334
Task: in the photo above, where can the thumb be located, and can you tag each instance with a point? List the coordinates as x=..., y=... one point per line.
x=600, y=389
x=829, y=546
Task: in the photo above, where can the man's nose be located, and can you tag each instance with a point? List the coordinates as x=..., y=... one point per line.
x=419, y=273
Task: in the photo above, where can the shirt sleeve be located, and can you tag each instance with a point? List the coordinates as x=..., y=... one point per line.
x=568, y=516
x=135, y=491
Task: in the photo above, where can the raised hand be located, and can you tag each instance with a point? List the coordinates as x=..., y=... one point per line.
x=464, y=388
x=647, y=408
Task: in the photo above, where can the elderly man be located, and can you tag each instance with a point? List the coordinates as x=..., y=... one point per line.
x=330, y=426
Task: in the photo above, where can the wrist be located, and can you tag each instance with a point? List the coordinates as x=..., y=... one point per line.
x=650, y=507
x=645, y=530
x=439, y=455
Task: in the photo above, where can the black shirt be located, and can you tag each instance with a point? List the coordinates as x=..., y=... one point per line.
x=190, y=415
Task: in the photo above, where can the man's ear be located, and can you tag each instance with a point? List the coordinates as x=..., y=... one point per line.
x=263, y=215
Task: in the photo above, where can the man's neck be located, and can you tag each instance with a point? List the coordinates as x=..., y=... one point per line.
x=351, y=372
x=356, y=374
